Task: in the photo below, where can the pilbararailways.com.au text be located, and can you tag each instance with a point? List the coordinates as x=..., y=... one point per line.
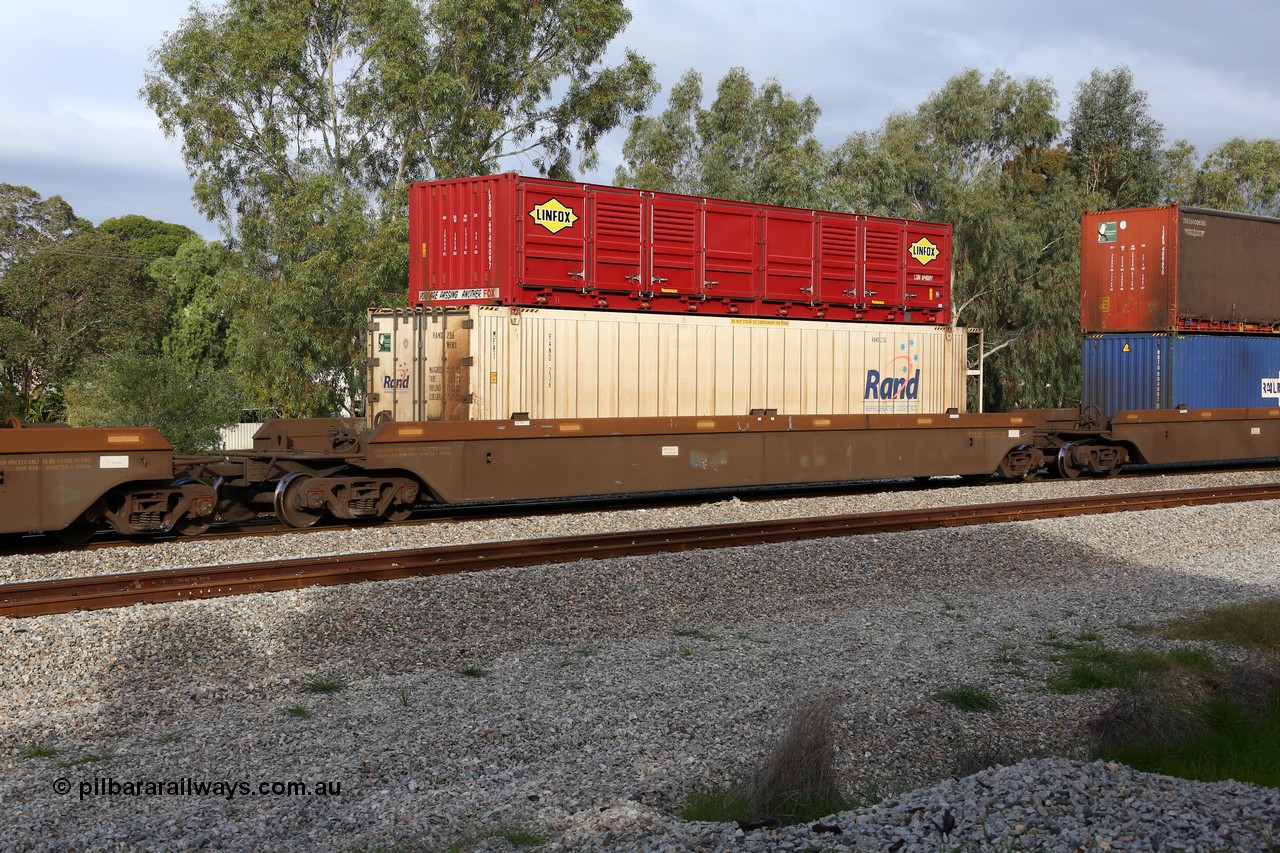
x=229, y=789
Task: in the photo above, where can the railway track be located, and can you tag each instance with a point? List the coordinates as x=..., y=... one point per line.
x=98, y=592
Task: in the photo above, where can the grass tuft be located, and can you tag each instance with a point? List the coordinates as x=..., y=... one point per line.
x=795, y=783
x=1251, y=626
x=299, y=711
x=1182, y=715
x=324, y=686
x=968, y=697
x=515, y=836
x=473, y=672
x=40, y=752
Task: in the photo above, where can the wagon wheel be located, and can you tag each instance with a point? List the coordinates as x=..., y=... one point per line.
x=1009, y=467
x=231, y=510
x=1066, y=468
x=75, y=533
x=190, y=525
x=289, y=504
x=399, y=512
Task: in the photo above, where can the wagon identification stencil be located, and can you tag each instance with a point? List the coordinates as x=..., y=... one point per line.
x=923, y=250
x=553, y=216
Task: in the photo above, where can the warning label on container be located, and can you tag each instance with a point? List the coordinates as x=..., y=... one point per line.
x=1107, y=232
x=458, y=295
x=757, y=321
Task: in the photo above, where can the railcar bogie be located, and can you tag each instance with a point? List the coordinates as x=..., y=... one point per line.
x=72, y=481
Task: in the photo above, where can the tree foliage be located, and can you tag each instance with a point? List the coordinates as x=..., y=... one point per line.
x=29, y=222
x=752, y=144
x=195, y=283
x=982, y=154
x=301, y=123
x=1242, y=176
x=148, y=238
x=1115, y=143
x=67, y=304
x=188, y=403
x=265, y=93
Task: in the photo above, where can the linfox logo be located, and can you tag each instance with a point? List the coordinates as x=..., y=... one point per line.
x=553, y=216
x=923, y=250
x=896, y=381
x=398, y=382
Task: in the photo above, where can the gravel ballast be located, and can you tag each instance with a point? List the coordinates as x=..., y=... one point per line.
x=582, y=703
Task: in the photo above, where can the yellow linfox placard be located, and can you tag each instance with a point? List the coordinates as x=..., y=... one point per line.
x=553, y=216
x=923, y=250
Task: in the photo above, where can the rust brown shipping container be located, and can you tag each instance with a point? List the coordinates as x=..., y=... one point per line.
x=1175, y=268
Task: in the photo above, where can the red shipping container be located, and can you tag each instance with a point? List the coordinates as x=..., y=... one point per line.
x=512, y=240
x=1173, y=268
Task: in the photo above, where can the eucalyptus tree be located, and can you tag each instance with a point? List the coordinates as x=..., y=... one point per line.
x=28, y=222
x=1243, y=176
x=1116, y=145
x=301, y=124
x=65, y=306
x=751, y=143
x=982, y=153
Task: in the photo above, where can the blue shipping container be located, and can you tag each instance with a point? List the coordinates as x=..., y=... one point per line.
x=1164, y=371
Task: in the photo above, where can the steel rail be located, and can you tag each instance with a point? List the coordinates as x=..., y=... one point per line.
x=36, y=598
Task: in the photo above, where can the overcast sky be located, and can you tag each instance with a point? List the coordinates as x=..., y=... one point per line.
x=74, y=125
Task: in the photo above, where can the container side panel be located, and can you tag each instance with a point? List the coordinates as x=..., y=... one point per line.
x=729, y=242
x=452, y=241
x=1133, y=372
x=534, y=242
x=838, y=259
x=927, y=270
x=1125, y=371
x=675, y=226
x=886, y=251
x=1128, y=270
x=457, y=367
x=616, y=227
x=1225, y=371
x=489, y=362
x=552, y=231
x=788, y=255
x=649, y=385
x=1228, y=270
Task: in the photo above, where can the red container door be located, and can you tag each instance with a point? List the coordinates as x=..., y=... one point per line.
x=729, y=244
x=675, y=223
x=788, y=255
x=885, y=260
x=1129, y=270
x=451, y=233
x=927, y=284
x=838, y=255
x=616, y=234
x=553, y=224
